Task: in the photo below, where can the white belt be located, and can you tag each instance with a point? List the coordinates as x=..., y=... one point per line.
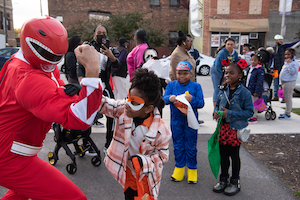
x=24, y=149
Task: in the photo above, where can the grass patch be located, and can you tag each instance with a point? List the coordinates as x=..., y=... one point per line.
x=296, y=111
x=297, y=193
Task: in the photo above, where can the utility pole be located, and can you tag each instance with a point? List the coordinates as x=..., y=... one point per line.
x=283, y=28
x=41, y=7
x=5, y=22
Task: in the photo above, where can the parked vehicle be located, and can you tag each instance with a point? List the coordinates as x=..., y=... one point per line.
x=203, y=68
x=205, y=64
x=5, y=54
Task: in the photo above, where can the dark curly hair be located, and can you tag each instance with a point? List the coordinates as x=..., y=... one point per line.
x=149, y=84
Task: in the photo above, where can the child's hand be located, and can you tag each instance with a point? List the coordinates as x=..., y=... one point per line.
x=288, y=60
x=188, y=97
x=216, y=115
x=224, y=113
x=256, y=95
x=139, y=159
x=172, y=98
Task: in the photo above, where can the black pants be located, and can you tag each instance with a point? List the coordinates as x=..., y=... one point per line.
x=227, y=151
x=109, y=121
x=130, y=194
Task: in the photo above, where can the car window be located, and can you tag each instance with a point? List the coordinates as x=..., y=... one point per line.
x=4, y=52
x=14, y=51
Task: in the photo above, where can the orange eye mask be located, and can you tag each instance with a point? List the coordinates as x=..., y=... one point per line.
x=136, y=99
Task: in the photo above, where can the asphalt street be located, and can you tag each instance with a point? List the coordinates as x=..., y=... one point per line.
x=257, y=181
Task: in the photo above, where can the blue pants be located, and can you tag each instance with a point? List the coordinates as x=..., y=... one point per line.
x=276, y=87
x=185, y=144
x=215, y=78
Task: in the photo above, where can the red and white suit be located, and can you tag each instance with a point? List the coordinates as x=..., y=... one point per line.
x=30, y=100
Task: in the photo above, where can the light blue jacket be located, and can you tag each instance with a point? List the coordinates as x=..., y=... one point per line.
x=240, y=107
x=289, y=71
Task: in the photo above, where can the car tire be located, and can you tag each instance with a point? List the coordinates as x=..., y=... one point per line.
x=204, y=70
x=298, y=92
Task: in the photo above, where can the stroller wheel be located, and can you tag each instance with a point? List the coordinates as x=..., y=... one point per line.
x=52, y=158
x=71, y=168
x=96, y=161
x=273, y=115
x=268, y=115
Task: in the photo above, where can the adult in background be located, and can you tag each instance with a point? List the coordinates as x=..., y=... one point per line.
x=32, y=98
x=109, y=60
x=279, y=50
x=119, y=75
x=224, y=52
x=194, y=52
x=70, y=59
x=135, y=57
x=181, y=53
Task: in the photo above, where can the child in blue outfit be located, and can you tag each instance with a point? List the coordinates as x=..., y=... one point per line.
x=184, y=137
x=254, y=82
x=235, y=102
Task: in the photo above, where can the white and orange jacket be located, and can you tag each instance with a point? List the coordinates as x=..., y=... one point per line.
x=154, y=145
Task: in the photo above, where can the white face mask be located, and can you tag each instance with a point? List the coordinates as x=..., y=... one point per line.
x=135, y=107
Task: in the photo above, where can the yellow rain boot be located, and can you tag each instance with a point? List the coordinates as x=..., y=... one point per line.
x=192, y=176
x=178, y=174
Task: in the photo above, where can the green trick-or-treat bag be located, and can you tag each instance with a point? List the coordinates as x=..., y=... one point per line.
x=214, y=157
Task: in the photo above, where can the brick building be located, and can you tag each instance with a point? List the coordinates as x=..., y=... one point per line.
x=246, y=21
x=11, y=41
x=167, y=13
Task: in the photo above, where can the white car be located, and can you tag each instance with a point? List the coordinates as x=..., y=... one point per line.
x=205, y=64
x=297, y=86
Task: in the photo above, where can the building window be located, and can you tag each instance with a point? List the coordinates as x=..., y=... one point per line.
x=174, y=2
x=98, y=17
x=1, y=20
x=173, y=35
x=255, y=7
x=8, y=22
x=223, y=7
x=154, y=2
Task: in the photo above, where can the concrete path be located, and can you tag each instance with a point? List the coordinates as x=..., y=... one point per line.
x=257, y=181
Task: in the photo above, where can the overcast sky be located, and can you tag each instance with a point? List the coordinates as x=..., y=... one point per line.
x=26, y=9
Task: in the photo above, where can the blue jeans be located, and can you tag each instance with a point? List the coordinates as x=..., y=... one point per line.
x=276, y=87
x=215, y=78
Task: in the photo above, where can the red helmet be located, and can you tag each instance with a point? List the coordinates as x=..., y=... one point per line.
x=44, y=41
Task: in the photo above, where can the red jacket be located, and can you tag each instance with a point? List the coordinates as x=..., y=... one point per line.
x=31, y=100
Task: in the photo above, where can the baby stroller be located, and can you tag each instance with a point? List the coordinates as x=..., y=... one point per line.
x=63, y=137
x=267, y=96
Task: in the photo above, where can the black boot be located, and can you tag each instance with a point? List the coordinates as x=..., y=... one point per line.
x=221, y=185
x=233, y=188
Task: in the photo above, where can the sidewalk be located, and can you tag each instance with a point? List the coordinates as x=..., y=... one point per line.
x=257, y=181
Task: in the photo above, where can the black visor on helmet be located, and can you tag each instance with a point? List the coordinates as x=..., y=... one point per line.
x=46, y=54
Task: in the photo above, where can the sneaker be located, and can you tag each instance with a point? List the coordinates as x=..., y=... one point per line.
x=104, y=150
x=284, y=116
x=252, y=120
x=98, y=124
x=275, y=99
x=91, y=152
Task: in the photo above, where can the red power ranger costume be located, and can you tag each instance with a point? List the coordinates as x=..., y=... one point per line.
x=32, y=97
